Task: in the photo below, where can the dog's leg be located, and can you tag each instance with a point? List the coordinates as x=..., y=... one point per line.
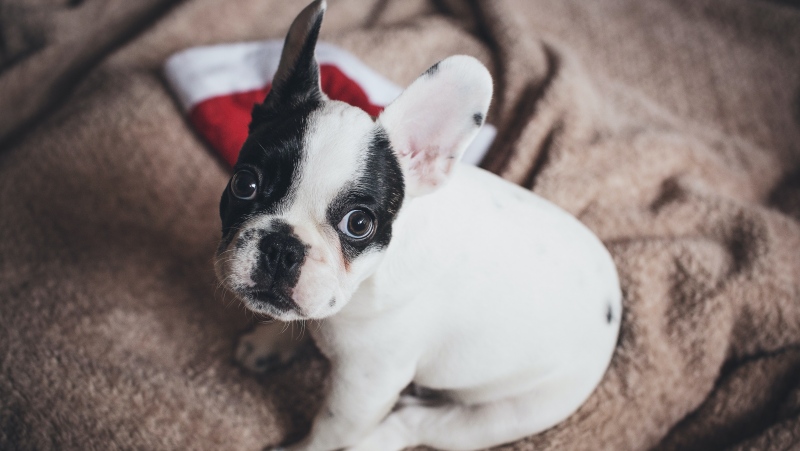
x=361, y=395
x=458, y=427
x=269, y=346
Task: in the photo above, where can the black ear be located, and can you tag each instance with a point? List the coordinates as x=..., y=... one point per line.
x=297, y=80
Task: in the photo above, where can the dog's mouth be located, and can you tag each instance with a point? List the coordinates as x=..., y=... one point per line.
x=271, y=302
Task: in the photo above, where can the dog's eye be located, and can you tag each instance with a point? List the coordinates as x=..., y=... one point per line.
x=244, y=185
x=357, y=224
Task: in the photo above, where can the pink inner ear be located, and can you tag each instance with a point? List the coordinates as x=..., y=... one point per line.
x=431, y=123
x=429, y=156
x=426, y=165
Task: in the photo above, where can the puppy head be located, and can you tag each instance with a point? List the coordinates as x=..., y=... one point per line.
x=308, y=213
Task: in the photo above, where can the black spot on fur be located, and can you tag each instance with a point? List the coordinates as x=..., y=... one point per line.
x=609, y=313
x=332, y=302
x=379, y=190
x=478, y=119
x=432, y=70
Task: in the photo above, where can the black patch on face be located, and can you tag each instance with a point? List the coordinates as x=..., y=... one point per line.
x=273, y=151
x=380, y=191
x=281, y=226
x=245, y=238
x=432, y=70
x=478, y=119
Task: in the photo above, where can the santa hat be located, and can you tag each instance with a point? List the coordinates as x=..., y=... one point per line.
x=218, y=85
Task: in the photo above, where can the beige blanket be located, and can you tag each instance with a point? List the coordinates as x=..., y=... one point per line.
x=671, y=128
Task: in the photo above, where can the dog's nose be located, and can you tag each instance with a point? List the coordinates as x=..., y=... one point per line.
x=283, y=254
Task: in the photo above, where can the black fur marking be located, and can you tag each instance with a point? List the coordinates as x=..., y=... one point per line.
x=273, y=152
x=273, y=149
x=609, y=313
x=332, y=302
x=244, y=238
x=379, y=190
x=271, y=304
x=478, y=119
x=432, y=70
x=281, y=226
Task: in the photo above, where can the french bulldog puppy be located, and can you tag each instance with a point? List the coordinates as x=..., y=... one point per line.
x=416, y=269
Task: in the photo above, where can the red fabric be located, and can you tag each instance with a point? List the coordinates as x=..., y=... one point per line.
x=223, y=120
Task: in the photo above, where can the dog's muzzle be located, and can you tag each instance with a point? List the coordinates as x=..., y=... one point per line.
x=277, y=270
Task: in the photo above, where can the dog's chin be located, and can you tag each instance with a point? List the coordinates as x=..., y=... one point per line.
x=276, y=305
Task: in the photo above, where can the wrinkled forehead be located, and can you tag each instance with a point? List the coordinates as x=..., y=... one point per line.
x=334, y=154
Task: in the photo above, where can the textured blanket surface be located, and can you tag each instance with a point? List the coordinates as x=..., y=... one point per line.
x=671, y=128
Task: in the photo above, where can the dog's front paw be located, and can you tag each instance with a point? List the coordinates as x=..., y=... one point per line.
x=251, y=355
x=266, y=348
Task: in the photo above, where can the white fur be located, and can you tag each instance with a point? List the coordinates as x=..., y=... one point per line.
x=487, y=293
